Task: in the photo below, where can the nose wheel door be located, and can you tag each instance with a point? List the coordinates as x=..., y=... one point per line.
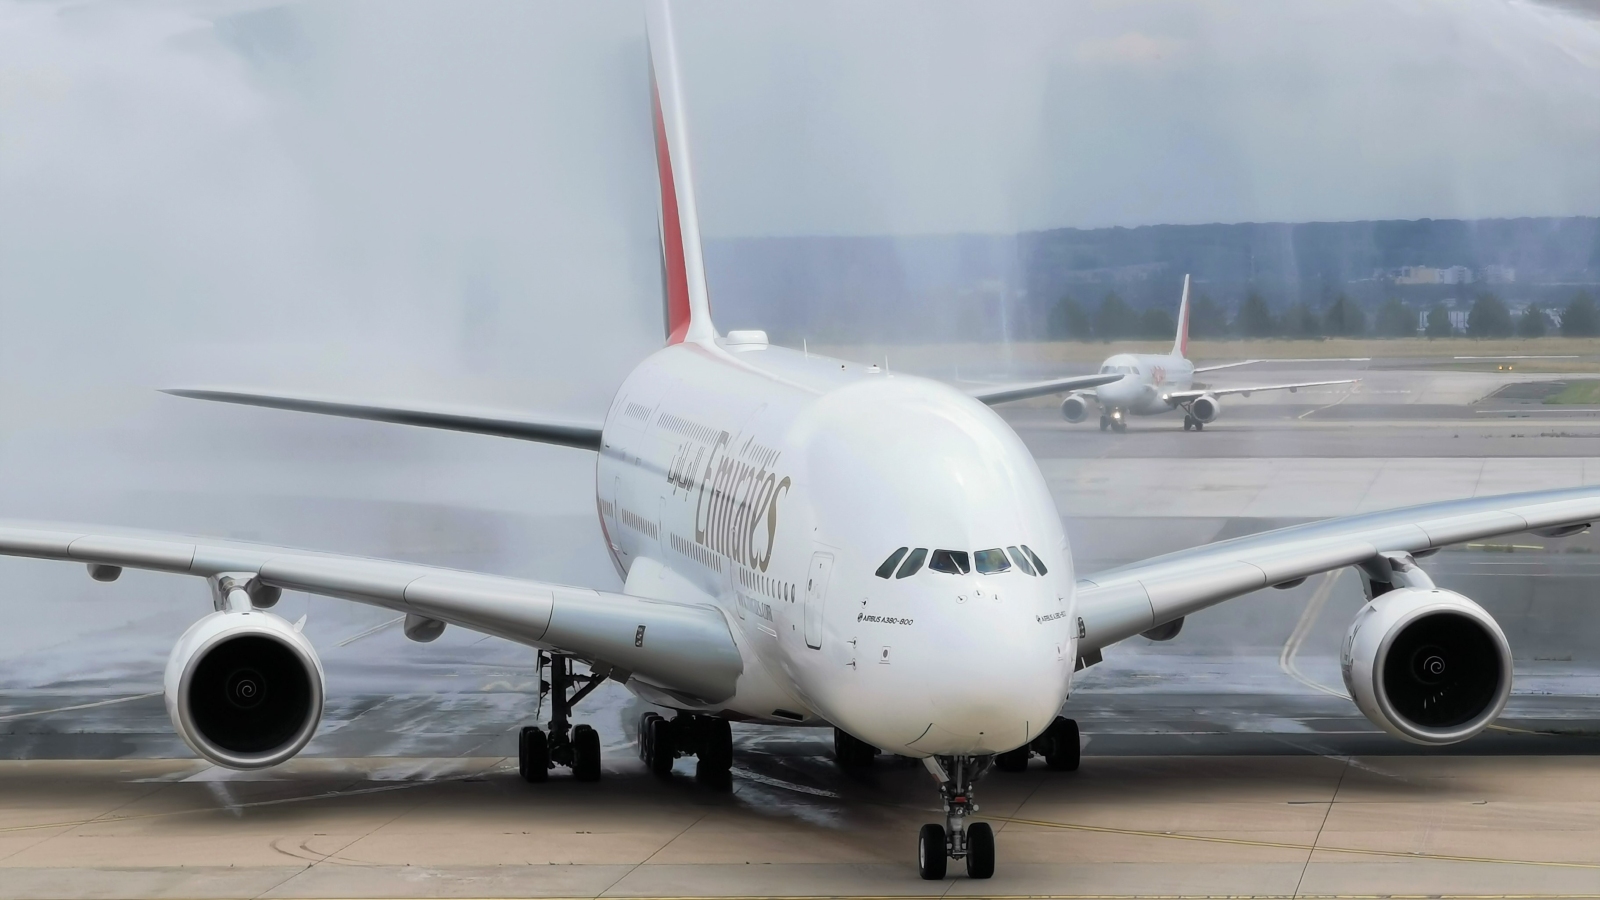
x=816, y=597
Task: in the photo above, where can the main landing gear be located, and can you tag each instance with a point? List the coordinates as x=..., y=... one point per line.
x=1058, y=745
x=707, y=738
x=577, y=747
x=956, y=838
x=1190, y=423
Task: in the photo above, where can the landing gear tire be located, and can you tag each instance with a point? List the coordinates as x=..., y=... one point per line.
x=1104, y=423
x=1199, y=425
x=1119, y=426
x=660, y=753
x=533, y=755
x=852, y=753
x=1062, y=753
x=931, y=854
x=1013, y=760
x=980, y=850
x=1188, y=422
x=585, y=753
x=716, y=753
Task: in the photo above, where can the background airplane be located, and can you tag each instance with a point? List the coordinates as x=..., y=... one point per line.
x=803, y=540
x=1151, y=384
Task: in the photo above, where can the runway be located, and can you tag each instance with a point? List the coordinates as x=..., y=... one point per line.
x=1226, y=761
x=792, y=826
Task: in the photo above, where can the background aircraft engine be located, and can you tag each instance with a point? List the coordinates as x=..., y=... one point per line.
x=1428, y=666
x=1075, y=408
x=1205, y=408
x=244, y=689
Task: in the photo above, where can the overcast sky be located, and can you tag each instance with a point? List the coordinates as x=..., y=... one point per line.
x=381, y=191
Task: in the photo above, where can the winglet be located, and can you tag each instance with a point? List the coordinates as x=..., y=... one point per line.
x=683, y=267
x=1180, y=344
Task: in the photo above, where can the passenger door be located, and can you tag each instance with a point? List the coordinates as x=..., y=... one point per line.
x=816, y=597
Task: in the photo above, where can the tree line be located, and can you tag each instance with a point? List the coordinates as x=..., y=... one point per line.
x=1489, y=317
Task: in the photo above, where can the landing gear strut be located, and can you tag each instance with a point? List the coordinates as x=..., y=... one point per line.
x=577, y=747
x=1058, y=745
x=956, y=838
x=707, y=738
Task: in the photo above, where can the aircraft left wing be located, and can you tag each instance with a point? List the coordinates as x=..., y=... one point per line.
x=544, y=429
x=1005, y=393
x=681, y=648
x=1119, y=603
x=1181, y=396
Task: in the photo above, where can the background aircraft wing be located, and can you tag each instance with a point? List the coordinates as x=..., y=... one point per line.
x=1120, y=603
x=1004, y=393
x=568, y=433
x=1242, y=362
x=1180, y=396
x=679, y=647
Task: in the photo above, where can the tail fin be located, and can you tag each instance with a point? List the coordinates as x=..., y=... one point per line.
x=683, y=267
x=1180, y=344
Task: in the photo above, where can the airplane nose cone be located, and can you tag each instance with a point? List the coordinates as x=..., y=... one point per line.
x=996, y=692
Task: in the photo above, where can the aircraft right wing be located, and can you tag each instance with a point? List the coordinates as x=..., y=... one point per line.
x=547, y=430
x=1180, y=396
x=1122, y=602
x=681, y=648
x=1004, y=393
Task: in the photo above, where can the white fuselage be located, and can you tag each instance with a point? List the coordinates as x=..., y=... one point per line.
x=773, y=485
x=1146, y=380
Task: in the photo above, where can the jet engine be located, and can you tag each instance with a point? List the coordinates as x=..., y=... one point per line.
x=244, y=689
x=1427, y=665
x=1075, y=408
x=1205, y=408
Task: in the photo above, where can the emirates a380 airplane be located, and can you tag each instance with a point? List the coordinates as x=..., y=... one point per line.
x=808, y=541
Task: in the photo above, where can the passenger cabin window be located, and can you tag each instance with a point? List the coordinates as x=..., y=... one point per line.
x=950, y=562
x=991, y=562
x=1021, y=559
x=1034, y=558
x=913, y=563
x=887, y=569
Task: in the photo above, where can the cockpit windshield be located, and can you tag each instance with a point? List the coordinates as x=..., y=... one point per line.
x=991, y=561
x=906, y=562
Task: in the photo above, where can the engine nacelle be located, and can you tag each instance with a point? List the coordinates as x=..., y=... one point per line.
x=1205, y=408
x=244, y=689
x=1075, y=408
x=1427, y=665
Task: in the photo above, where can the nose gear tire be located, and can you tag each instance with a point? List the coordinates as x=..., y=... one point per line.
x=980, y=850
x=931, y=858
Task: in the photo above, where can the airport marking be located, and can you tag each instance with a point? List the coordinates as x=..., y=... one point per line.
x=45, y=712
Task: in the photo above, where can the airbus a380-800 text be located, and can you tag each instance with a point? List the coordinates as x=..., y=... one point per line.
x=803, y=540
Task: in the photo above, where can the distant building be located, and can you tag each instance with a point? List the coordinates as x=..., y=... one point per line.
x=1458, y=320
x=1431, y=275
x=1500, y=274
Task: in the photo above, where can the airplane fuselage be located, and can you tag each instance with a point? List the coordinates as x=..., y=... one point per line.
x=1146, y=380
x=774, y=485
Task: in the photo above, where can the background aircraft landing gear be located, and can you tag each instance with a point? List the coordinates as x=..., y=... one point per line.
x=577, y=747
x=957, y=838
x=1058, y=745
x=707, y=738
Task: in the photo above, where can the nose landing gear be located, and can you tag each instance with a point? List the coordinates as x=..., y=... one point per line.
x=1115, y=420
x=956, y=839
x=565, y=745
